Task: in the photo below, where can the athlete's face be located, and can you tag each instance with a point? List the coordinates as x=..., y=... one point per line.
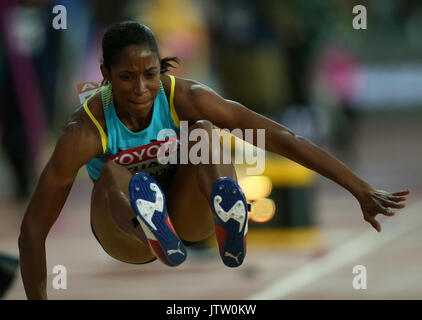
x=135, y=78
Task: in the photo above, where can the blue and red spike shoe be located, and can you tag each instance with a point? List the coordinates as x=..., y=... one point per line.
x=231, y=220
x=149, y=204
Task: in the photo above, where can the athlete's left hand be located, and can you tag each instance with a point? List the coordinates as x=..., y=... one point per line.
x=374, y=202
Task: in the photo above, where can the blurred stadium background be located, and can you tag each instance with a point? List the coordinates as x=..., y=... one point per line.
x=356, y=93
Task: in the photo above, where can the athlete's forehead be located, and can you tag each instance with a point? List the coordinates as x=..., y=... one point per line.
x=136, y=58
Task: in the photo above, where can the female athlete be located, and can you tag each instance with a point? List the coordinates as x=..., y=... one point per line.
x=117, y=133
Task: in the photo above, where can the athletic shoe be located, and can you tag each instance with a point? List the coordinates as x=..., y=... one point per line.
x=149, y=204
x=231, y=220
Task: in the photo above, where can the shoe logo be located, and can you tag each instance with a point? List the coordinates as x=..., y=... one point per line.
x=172, y=251
x=228, y=254
x=237, y=212
x=147, y=208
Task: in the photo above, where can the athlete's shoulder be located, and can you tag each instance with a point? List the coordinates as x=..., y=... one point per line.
x=188, y=97
x=183, y=86
x=96, y=108
x=81, y=117
x=78, y=142
x=80, y=127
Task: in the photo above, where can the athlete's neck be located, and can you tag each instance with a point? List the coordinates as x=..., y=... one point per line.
x=135, y=121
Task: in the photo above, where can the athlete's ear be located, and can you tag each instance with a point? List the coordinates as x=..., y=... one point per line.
x=105, y=72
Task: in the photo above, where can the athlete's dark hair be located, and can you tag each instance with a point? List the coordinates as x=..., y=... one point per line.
x=123, y=34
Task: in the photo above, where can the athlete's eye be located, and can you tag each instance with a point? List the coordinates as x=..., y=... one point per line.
x=125, y=77
x=151, y=75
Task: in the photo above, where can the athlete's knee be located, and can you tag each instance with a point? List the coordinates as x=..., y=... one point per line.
x=106, y=171
x=205, y=130
x=110, y=170
x=203, y=124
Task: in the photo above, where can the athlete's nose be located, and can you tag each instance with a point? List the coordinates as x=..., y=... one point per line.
x=139, y=87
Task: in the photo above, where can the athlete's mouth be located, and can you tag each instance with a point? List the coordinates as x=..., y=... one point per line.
x=140, y=102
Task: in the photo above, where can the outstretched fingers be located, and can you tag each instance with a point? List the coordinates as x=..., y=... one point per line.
x=382, y=202
x=402, y=193
x=389, y=203
x=387, y=200
x=397, y=199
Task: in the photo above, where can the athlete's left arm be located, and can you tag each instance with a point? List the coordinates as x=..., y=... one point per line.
x=195, y=101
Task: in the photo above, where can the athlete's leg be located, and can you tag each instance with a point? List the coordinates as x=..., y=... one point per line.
x=111, y=216
x=190, y=204
x=188, y=200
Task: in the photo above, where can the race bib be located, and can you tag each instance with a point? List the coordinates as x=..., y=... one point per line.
x=87, y=89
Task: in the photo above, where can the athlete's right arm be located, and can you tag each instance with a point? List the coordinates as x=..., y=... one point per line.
x=77, y=145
